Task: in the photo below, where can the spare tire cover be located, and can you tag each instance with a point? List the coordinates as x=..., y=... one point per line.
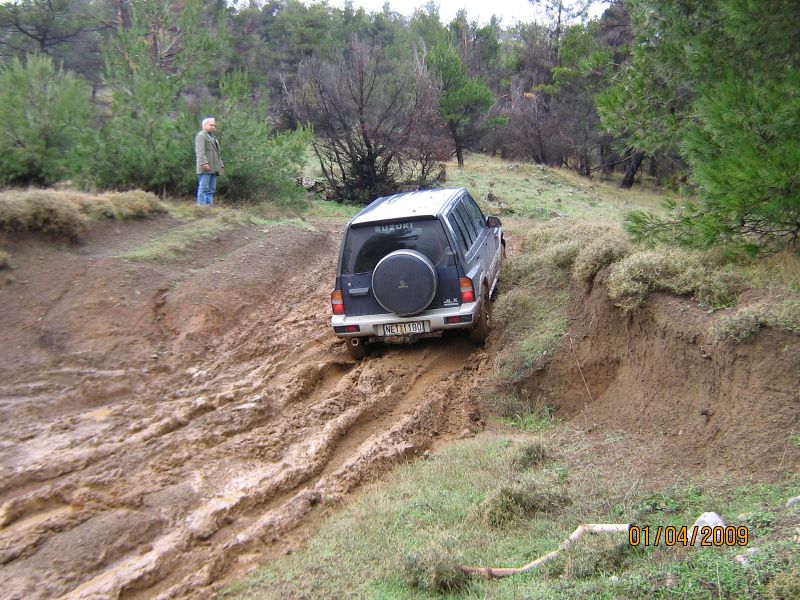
x=404, y=282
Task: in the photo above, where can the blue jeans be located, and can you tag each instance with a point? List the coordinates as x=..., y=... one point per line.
x=206, y=186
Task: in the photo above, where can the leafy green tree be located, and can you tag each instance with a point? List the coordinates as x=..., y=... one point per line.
x=47, y=114
x=464, y=98
x=70, y=31
x=164, y=54
x=260, y=166
x=730, y=106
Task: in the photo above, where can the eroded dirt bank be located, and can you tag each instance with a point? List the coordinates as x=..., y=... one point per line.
x=163, y=428
x=657, y=375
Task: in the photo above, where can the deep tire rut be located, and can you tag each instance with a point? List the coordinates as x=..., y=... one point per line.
x=167, y=479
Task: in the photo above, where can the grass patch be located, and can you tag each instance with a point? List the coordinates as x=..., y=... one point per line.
x=747, y=322
x=468, y=505
x=541, y=193
x=68, y=214
x=330, y=209
x=531, y=326
x=681, y=272
x=173, y=244
x=510, y=503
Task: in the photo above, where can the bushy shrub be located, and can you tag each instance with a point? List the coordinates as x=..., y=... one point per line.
x=745, y=323
x=599, y=253
x=436, y=568
x=47, y=113
x=41, y=211
x=509, y=503
x=529, y=455
x=260, y=166
x=673, y=270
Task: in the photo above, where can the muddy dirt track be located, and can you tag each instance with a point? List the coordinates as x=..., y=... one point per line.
x=165, y=428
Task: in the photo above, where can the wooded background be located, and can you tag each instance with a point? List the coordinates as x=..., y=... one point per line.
x=702, y=96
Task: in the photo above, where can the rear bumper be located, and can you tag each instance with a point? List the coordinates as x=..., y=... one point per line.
x=371, y=326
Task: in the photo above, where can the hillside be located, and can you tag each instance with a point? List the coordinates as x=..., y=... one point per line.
x=170, y=421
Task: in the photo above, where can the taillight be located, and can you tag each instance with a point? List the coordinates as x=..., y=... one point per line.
x=467, y=291
x=337, y=304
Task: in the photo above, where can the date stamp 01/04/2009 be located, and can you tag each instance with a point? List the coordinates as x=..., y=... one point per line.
x=650, y=535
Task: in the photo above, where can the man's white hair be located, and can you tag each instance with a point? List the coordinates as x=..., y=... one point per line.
x=206, y=121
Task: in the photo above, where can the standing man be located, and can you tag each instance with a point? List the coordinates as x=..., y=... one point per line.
x=209, y=162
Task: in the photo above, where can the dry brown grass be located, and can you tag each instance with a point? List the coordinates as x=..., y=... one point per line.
x=681, y=272
x=67, y=213
x=745, y=323
x=4, y=260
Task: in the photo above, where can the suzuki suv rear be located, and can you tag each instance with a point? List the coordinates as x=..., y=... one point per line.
x=413, y=265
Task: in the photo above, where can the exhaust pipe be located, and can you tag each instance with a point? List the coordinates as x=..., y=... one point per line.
x=354, y=342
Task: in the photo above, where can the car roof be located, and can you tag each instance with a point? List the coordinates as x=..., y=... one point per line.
x=422, y=203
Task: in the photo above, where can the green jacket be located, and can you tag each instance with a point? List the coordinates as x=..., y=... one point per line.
x=206, y=149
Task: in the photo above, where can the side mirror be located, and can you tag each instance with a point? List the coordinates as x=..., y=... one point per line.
x=493, y=222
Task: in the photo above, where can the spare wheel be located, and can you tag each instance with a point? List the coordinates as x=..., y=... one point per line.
x=404, y=282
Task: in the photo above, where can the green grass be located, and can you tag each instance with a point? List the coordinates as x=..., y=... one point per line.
x=173, y=244
x=475, y=503
x=541, y=193
x=328, y=209
x=203, y=223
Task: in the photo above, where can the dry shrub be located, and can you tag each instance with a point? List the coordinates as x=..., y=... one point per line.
x=599, y=253
x=555, y=232
x=602, y=557
x=745, y=323
x=436, y=568
x=532, y=269
x=509, y=503
x=96, y=206
x=559, y=244
x=135, y=204
x=529, y=455
x=784, y=585
x=66, y=213
x=40, y=211
x=562, y=254
x=671, y=270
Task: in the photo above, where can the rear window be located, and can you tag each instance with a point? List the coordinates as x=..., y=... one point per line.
x=367, y=244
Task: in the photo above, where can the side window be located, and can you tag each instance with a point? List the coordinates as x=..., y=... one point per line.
x=475, y=212
x=469, y=234
x=459, y=231
x=465, y=216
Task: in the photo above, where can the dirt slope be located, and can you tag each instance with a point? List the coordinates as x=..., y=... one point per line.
x=163, y=428
x=696, y=406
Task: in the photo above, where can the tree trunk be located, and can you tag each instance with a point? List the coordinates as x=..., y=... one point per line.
x=630, y=171
x=651, y=168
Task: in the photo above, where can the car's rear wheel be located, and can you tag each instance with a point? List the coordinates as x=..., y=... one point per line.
x=483, y=319
x=404, y=282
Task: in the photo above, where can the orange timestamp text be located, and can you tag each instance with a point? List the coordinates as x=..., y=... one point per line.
x=649, y=535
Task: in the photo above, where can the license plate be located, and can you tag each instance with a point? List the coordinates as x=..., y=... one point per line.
x=404, y=328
